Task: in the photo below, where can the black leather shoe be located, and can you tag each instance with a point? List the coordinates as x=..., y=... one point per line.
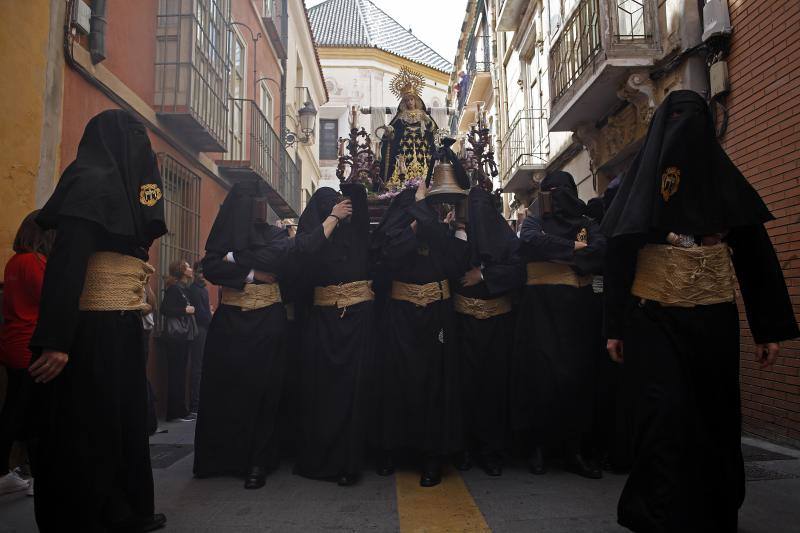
x=492, y=465
x=385, y=465
x=537, y=464
x=256, y=478
x=157, y=521
x=431, y=472
x=346, y=480
x=462, y=461
x=141, y=525
x=578, y=465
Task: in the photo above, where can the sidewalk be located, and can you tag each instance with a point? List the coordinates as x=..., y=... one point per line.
x=515, y=502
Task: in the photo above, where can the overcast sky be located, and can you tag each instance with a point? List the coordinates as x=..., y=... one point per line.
x=437, y=23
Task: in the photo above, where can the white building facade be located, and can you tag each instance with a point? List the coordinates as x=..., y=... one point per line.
x=361, y=49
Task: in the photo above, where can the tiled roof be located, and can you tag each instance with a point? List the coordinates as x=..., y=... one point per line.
x=361, y=24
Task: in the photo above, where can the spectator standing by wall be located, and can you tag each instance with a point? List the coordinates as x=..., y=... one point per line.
x=178, y=309
x=23, y=287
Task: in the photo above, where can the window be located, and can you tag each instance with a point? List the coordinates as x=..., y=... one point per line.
x=265, y=102
x=182, y=215
x=329, y=138
x=237, y=95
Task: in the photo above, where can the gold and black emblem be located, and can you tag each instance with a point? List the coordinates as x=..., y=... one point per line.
x=582, y=236
x=670, y=180
x=149, y=194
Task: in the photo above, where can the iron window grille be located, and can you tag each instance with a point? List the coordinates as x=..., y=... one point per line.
x=526, y=143
x=191, y=71
x=576, y=47
x=182, y=215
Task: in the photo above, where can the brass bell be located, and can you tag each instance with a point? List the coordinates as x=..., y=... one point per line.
x=444, y=186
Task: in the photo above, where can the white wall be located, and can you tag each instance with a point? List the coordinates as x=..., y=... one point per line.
x=300, y=48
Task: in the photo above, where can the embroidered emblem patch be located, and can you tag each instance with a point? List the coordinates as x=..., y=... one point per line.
x=441, y=335
x=149, y=194
x=582, y=236
x=670, y=180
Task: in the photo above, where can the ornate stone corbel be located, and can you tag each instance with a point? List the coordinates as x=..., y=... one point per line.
x=588, y=136
x=640, y=91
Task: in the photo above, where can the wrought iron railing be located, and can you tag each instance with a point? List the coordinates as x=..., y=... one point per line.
x=632, y=31
x=576, y=47
x=526, y=142
x=264, y=153
x=191, y=69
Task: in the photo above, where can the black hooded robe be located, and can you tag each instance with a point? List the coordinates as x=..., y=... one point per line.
x=485, y=344
x=417, y=350
x=555, y=354
x=92, y=463
x=688, y=472
x=336, y=365
x=244, y=362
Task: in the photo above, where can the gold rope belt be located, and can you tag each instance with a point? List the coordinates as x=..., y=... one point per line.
x=114, y=282
x=253, y=296
x=482, y=309
x=344, y=295
x=684, y=277
x=546, y=273
x=421, y=295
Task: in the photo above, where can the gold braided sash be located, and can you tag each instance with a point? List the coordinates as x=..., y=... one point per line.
x=421, y=295
x=546, y=273
x=684, y=277
x=344, y=295
x=114, y=282
x=253, y=296
x=482, y=309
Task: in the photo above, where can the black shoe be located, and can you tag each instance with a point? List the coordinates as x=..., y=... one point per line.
x=462, y=461
x=157, y=521
x=256, y=478
x=536, y=462
x=578, y=465
x=141, y=525
x=492, y=465
x=431, y=472
x=385, y=465
x=346, y=480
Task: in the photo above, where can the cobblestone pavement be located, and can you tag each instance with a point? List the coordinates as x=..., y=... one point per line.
x=470, y=501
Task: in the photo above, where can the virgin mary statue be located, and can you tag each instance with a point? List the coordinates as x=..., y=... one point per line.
x=407, y=145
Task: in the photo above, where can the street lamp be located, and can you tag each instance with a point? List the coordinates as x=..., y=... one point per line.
x=308, y=118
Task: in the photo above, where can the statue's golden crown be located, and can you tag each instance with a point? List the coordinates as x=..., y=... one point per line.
x=407, y=82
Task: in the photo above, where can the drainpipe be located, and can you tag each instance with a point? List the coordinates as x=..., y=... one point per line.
x=97, y=31
x=695, y=73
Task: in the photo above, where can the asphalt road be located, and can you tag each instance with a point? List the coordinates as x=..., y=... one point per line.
x=468, y=501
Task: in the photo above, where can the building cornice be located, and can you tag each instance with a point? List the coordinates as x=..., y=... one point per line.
x=382, y=56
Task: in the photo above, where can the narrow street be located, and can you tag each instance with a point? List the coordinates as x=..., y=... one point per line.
x=469, y=501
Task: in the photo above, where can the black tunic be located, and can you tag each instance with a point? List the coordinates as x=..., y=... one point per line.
x=688, y=473
x=243, y=368
x=485, y=350
x=93, y=456
x=336, y=374
x=417, y=349
x=555, y=353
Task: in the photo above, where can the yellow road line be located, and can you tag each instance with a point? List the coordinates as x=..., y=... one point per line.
x=444, y=508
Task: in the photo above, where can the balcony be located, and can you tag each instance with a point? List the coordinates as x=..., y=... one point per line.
x=599, y=46
x=191, y=73
x=511, y=12
x=257, y=152
x=477, y=82
x=274, y=19
x=524, y=150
